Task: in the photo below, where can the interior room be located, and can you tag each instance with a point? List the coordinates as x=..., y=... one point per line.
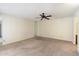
x=39, y=29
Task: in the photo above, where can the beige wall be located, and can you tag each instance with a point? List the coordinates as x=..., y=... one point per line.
x=56, y=28
x=16, y=29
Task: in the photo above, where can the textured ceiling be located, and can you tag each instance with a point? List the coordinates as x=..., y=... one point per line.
x=32, y=10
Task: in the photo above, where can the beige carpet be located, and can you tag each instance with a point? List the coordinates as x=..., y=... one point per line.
x=39, y=47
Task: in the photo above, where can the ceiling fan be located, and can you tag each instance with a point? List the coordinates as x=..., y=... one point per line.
x=43, y=16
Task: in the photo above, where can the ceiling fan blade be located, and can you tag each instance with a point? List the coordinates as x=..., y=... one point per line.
x=49, y=16
x=41, y=18
x=46, y=18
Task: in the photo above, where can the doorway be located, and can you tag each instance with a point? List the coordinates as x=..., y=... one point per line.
x=75, y=30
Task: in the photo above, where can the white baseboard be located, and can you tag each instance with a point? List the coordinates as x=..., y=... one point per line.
x=9, y=42
x=54, y=38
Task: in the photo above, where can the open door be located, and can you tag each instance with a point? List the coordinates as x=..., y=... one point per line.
x=75, y=30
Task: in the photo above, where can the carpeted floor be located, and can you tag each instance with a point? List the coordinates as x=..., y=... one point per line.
x=39, y=47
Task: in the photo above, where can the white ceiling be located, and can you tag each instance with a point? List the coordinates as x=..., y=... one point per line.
x=32, y=10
